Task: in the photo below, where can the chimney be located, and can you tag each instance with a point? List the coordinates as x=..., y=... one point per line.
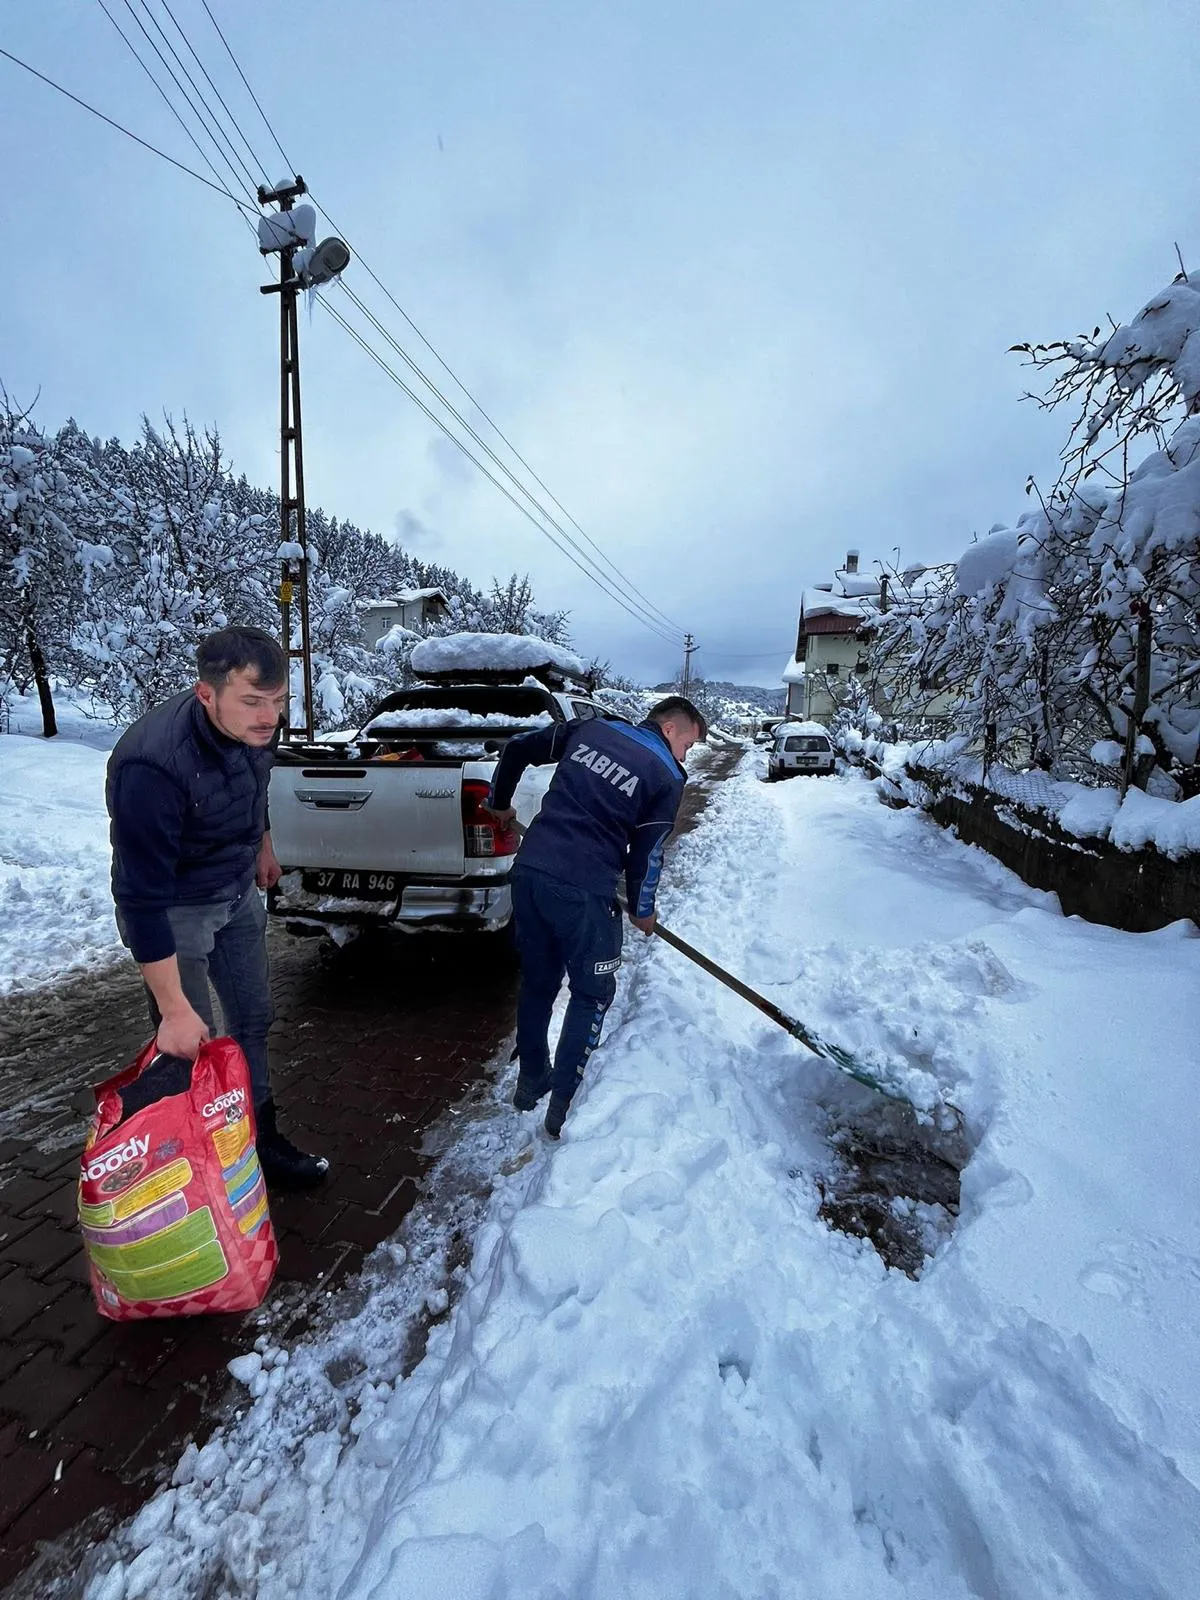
x=851, y=560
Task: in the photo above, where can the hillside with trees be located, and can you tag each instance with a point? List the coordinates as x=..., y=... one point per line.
x=115, y=560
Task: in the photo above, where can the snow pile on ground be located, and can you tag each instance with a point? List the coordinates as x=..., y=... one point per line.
x=56, y=911
x=493, y=652
x=663, y=1375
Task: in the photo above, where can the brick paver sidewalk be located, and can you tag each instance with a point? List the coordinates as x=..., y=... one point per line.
x=371, y=1046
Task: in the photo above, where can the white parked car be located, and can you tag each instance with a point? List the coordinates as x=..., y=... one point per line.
x=799, y=747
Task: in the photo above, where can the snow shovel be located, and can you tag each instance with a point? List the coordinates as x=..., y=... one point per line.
x=842, y=1059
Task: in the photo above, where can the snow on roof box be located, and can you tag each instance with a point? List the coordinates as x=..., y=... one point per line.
x=510, y=654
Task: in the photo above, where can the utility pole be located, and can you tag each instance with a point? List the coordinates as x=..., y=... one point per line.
x=302, y=265
x=689, y=649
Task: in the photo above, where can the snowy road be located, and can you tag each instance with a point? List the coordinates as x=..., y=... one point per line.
x=665, y=1376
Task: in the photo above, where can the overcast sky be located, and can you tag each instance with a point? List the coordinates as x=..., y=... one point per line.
x=737, y=280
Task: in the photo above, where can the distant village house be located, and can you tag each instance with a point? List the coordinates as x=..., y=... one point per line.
x=833, y=637
x=830, y=641
x=411, y=609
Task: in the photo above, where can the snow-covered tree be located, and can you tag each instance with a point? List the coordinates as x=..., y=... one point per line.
x=185, y=562
x=40, y=558
x=1079, y=624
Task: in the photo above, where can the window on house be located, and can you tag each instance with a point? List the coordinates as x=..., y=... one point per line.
x=833, y=669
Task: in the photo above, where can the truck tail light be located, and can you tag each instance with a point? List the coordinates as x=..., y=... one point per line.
x=482, y=834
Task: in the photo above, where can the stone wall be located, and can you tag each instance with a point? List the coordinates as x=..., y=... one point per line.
x=1135, y=890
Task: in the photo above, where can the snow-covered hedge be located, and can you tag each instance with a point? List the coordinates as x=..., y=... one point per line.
x=921, y=770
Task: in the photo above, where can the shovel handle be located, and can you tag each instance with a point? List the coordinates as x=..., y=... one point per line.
x=767, y=1007
x=842, y=1059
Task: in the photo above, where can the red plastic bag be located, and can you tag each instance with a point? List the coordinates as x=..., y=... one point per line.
x=172, y=1202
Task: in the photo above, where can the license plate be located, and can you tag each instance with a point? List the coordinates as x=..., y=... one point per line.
x=354, y=884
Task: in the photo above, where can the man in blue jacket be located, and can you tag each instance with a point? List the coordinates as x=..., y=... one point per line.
x=609, y=809
x=187, y=795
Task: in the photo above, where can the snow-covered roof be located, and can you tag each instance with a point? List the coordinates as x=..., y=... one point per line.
x=786, y=730
x=823, y=603
x=794, y=671
x=493, y=652
x=403, y=597
x=854, y=583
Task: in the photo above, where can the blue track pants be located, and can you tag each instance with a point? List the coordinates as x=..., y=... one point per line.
x=562, y=931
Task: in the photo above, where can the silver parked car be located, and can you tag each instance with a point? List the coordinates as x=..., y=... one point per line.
x=799, y=747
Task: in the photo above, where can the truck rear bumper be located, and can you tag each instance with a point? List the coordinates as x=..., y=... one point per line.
x=481, y=905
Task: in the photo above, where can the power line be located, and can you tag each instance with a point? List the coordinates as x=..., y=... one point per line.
x=624, y=580
x=645, y=612
x=167, y=101
x=145, y=66
x=457, y=442
x=249, y=90
x=241, y=135
x=251, y=180
x=145, y=143
x=483, y=445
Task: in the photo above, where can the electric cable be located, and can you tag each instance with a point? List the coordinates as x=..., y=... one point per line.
x=170, y=105
x=480, y=441
x=221, y=156
x=458, y=443
x=623, y=578
x=251, y=180
x=249, y=90
x=237, y=125
x=137, y=139
x=642, y=612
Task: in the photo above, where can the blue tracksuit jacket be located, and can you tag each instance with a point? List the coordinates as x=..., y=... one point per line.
x=610, y=806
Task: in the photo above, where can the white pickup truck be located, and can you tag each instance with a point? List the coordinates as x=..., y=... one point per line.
x=386, y=829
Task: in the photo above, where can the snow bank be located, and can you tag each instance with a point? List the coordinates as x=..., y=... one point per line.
x=665, y=1377
x=496, y=652
x=1138, y=822
x=56, y=912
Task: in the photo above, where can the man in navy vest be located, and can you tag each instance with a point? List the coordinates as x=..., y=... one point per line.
x=187, y=795
x=609, y=809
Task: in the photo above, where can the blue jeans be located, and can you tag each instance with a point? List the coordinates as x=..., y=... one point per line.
x=562, y=931
x=224, y=942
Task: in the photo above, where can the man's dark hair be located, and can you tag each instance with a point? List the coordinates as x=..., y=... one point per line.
x=678, y=705
x=239, y=649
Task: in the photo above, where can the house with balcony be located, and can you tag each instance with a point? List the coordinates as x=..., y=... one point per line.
x=410, y=609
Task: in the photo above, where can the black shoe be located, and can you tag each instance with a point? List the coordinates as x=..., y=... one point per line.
x=528, y=1093
x=285, y=1166
x=556, y=1115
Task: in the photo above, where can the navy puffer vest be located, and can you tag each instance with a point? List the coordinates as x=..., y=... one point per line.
x=224, y=785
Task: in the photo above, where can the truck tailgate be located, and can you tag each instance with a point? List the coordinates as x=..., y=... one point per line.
x=377, y=816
